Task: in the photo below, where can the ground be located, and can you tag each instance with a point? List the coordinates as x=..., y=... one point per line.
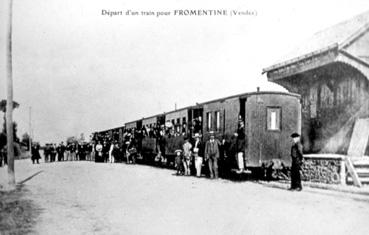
x=92, y=198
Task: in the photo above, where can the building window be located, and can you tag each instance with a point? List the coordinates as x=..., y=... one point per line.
x=208, y=121
x=274, y=119
x=217, y=120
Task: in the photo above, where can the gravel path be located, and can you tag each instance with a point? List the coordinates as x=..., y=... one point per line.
x=90, y=198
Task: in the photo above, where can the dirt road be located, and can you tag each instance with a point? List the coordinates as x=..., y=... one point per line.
x=90, y=198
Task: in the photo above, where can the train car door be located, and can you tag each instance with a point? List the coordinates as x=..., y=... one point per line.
x=196, y=121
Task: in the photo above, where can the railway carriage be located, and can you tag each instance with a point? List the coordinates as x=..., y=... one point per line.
x=150, y=141
x=179, y=124
x=269, y=119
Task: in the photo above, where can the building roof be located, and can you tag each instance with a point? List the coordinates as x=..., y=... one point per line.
x=339, y=35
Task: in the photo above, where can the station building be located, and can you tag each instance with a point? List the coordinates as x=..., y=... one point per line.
x=330, y=71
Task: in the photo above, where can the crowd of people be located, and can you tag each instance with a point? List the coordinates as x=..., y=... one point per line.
x=198, y=158
x=193, y=157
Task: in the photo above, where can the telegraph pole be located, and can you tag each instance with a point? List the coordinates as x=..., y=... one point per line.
x=30, y=130
x=9, y=102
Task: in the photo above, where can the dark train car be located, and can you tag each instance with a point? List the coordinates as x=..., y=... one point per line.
x=116, y=134
x=269, y=118
x=133, y=125
x=180, y=123
x=134, y=128
x=151, y=127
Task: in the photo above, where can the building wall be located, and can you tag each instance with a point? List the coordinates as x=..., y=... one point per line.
x=333, y=97
x=322, y=170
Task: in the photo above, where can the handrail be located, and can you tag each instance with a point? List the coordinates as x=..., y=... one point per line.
x=352, y=171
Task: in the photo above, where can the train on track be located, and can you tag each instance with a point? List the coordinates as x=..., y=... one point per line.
x=268, y=119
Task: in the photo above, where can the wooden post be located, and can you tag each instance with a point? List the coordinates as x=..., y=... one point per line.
x=342, y=171
x=9, y=104
x=352, y=171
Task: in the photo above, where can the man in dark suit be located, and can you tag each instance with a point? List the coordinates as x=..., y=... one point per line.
x=212, y=155
x=297, y=158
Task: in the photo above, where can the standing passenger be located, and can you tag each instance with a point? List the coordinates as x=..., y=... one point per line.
x=198, y=154
x=53, y=152
x=72, y=150
x=105, y=151
x=178, y=162
x=35, y=153
x=297, y=158
x=212, y=155
x=47, y=151
x=67, y=152
x=62, y=151
x=111, y=154
x=98, y=153
x=187, y=156
x=241, y=147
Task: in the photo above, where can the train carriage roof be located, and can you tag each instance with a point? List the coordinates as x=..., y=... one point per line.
x=248, y=94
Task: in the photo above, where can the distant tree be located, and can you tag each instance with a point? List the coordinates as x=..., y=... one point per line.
x=3, y=109
x=71, y=139
x=15, y=128
x=3, y=105
x=25, y=140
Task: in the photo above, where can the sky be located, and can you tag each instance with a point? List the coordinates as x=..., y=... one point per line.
x=81, y=71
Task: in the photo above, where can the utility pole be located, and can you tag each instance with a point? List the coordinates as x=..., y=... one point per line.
x=30, y=130
x=9, y=102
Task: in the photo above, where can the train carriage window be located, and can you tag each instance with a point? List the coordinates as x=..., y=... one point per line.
x=208, y=121
x=217, y=120
x=274, y=119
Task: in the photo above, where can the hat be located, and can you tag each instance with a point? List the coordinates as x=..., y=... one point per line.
x=211, y=133
x=197, y=135
x=294, y=135
x=178, y=150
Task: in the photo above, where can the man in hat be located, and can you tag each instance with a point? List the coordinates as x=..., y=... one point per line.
x=212, y=155
x=297, y=157
x=198, y=154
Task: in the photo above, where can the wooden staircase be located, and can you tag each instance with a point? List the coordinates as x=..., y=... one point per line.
x=358, y=169
x=356, y=163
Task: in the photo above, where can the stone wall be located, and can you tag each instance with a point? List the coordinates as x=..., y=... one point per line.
x=323, y=169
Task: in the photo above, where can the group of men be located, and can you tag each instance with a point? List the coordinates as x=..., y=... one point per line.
x=196, y=153
x=108, y=151
x=207, y=156
x=62, y=152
